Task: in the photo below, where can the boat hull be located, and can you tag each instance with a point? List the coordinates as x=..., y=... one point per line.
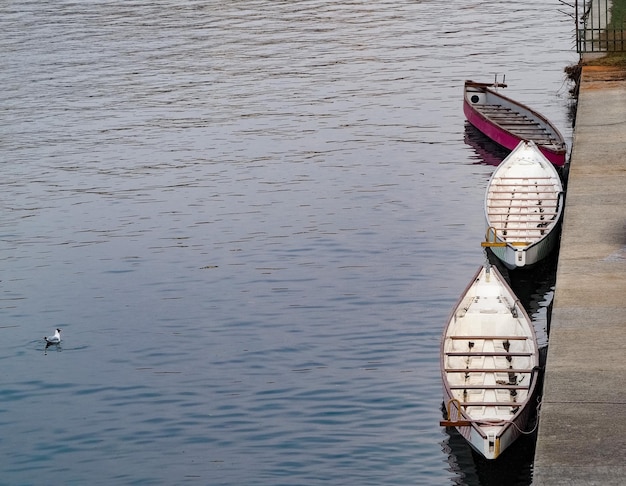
x=489, y=359
x=515, y=257
x=503, y=437
x=549, y=140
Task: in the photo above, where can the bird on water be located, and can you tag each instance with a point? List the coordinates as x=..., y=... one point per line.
x=56, y=339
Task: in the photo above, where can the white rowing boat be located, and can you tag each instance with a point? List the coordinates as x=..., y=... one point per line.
x=489, y=360
x=523, y=207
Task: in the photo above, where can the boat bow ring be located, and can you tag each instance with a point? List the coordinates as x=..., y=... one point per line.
x=456, y=422
x=491, y=240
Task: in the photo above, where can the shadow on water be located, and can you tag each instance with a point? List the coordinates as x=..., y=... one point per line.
x=535, y=289
x=513, y=467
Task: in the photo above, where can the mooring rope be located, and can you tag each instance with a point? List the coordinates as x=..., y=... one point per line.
x=502, y=422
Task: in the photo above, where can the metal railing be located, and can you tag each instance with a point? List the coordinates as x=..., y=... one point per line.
x=598, y=29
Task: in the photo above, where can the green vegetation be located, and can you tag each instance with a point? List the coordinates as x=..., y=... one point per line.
x=614, y=38
x=618, y=15
x=615, y=32
x=616, y=59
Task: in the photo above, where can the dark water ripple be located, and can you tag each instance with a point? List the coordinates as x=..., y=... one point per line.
x=251, y=220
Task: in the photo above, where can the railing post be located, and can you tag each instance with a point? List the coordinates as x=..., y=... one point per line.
x=598, y=29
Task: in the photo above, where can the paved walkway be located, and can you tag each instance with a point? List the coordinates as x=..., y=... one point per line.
x=582, y=428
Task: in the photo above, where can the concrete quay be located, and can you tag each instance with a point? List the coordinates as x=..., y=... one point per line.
x=582, y=426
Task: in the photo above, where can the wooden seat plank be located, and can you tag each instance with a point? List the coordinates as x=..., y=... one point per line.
x=487, y=354
x=488, y=387
x=488, y=370
x=491, y=338
x=492, y=404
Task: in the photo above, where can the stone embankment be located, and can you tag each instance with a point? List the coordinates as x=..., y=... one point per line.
x=582, y=427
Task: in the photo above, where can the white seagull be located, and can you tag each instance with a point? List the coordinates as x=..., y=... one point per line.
x=56, y=339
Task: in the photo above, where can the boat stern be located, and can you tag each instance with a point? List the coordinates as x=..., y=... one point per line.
x=487, y=443
x=512, y=254
x=519, y=256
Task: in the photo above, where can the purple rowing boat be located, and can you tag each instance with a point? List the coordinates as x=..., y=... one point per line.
x=508, y=122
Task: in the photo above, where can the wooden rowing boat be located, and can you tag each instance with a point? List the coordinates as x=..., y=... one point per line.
x=523, y=207
x=489, y=365
x=508, y=122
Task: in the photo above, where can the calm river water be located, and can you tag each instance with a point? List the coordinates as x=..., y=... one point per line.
x=251, y=219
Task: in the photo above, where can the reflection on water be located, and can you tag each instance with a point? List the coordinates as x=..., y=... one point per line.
x=486, y=151
x=514, y=466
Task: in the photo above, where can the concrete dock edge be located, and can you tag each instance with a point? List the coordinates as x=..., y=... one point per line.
x=582, y=425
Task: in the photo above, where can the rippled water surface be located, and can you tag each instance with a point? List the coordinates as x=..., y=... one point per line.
x=251, y=220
